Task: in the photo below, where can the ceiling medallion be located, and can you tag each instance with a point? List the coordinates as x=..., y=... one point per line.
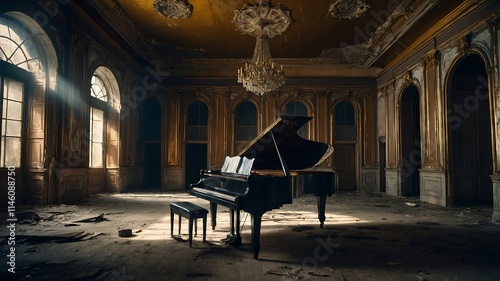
x=262, y=20
x=173, y=9
x=262, y=75
x=350, y=9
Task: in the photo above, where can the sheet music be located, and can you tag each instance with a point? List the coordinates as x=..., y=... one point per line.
x=231, y=164
x=226, y=164
x=245, y=166
x=237, y=165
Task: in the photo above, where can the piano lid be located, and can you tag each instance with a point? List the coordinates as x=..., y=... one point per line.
x=296, y=153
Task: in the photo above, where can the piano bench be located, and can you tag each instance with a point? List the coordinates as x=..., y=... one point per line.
x=191, y=212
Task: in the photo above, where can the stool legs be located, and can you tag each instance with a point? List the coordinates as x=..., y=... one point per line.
x=171, y=223
x=193, y=219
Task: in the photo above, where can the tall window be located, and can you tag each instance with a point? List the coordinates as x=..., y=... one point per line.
x=12, y=120
x=245, y=124
x=297, y=108
x=345, y=122
x=99, y=97
x=20, y=51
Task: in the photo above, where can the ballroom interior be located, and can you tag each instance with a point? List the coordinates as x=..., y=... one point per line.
x=113, y=107
x=118, y=96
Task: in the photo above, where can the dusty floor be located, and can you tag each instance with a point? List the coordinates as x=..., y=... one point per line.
x=366, y=237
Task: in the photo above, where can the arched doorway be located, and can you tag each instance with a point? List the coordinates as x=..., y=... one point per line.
x=469, y=133
x=345, y=135
x=410, y=142
x=297, y=108
x=151, y=136
x=245, y=125
x=196, y=142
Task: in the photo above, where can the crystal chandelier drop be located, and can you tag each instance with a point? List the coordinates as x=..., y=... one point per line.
x=262, y=74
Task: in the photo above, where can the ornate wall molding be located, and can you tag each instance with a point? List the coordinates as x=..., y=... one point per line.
x=79, y=41
x=432, y=59
x=464, y=44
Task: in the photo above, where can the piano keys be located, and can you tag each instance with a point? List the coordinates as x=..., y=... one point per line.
x=279, y=158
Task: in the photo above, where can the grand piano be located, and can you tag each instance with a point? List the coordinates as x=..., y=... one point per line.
x=263, y=177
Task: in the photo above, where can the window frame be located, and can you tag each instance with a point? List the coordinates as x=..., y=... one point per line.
x=102, y=105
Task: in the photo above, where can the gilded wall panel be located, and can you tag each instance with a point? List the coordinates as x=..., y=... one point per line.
x=221, y=127
x=381, y=114
x=369, y=129
x=432, y=133
x=390, y=128
x=173, y=125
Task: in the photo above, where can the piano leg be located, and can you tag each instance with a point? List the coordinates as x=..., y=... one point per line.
x=231, y=218
x=213, y=214
x=256, y=223
x=321, y=201
x=235, y=237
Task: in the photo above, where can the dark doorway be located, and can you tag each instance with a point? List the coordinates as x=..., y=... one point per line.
x=344, y=156
x=469, y=131
x=196, y=159
x=152, y=165
x=196, y=142
x=345, y=166
x=151, y=136
x=410, y=142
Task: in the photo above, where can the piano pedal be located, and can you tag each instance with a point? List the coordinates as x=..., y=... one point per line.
x=232, y=240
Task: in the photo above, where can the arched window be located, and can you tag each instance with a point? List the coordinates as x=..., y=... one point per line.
x=104, y=119
x=197, y=122
x=97, y=89
x=196, y=152
x=245, y=124
x=18, y=49
x=345, y=122
x=297, y=108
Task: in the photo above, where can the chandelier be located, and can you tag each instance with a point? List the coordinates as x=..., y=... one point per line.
x=262, y=74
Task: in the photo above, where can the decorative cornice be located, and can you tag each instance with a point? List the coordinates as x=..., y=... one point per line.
x=143, y=41
x=349, y=9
